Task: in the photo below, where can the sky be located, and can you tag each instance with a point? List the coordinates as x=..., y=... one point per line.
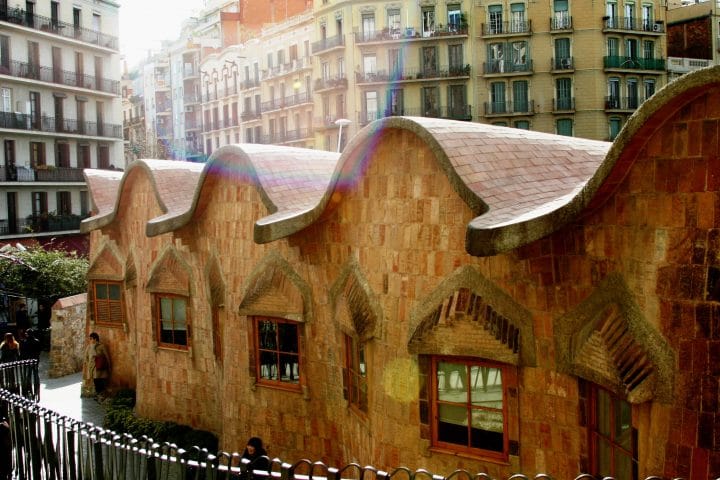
x=145, y=23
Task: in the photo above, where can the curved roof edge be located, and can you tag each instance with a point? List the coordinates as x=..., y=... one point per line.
x=487, y=240
x=284, y=223
x=95, y=177
x=247, y=160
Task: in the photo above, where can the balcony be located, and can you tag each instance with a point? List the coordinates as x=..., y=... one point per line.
x=561, y=22
x=327, y=122
x=251, y=83
x=192, y=99
x=287, y=102
x=328, y=44
x=389, y=35
x=502, y=67
x=562, y=65
x=634, y=63
x=620, y=104
x=381, y=76
x=40, y=224
x=331, y=83
x=21, y=121
x=11, y=173
x=287, y=68
x=509, y=108
x=23, y=18
x=60, y=77
x=632, y=24
x=512, y=28
x=289, y=136
x=249, y=115
x=563, y=105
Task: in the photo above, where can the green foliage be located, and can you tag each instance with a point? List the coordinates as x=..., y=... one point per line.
x=43, y=274
x=119, y=417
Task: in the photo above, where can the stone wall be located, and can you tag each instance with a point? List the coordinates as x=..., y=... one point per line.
x=68, y=335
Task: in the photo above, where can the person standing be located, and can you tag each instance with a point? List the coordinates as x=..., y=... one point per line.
x=257, y=455
x=9, y=349
x=98, y=364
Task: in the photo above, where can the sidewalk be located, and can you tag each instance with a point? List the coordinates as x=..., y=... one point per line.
x=62, y=395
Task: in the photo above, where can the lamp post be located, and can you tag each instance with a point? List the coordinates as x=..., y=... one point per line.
x=341, y=122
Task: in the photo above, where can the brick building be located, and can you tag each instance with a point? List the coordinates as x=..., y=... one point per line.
x=442, y=295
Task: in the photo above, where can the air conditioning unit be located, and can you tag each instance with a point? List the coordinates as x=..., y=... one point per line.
x=189, y=109
x=657, y=27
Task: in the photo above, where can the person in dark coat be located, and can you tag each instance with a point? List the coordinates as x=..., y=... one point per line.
x=22, y=320
x=30, y=346
x=257, y=455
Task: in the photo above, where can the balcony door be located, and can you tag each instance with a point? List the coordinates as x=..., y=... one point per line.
x=497, y=97
x=12, y=212
x=33, y=60
x=57, y=65
x=35, y=110
x=457, y=102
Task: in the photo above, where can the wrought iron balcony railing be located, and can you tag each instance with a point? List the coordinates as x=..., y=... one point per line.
x=633, y=24
x=287, y=102
x=12, y=173
x=563, y=104
x=328, y=43
x=503, y=66
x=615, y=102
x=22, y=121
x=60, y=77
x=513, y=27
x=399, y=75
x=562, y=63
x=338, y=81
x=22, y=17
x=389, y=34
x=451, y=112
x=561, y=21
x=634, y=63
x=526, y=107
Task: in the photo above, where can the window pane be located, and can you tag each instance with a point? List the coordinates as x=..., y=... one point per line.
x=487, y=387
x=267, y=333
x=451, y=382
x=487, y=430
x=101, y=291
x=623, y=427
x=603, y=461
x=268, y=365
x=179, y=314
x=452, y=424
x=289, y=368
x=114, y=292
x=288, y=337
x=623, y=465
x=166, y=313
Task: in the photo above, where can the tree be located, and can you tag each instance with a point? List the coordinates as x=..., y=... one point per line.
x=42, y=274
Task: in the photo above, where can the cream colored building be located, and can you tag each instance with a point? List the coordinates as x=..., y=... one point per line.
x=60, y=111
x=562, y=66
x=261, y=91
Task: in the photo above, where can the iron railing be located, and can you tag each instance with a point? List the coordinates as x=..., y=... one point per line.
x=507, y=28
x=22, y=121
x=426, y=73
x=632, y=24
x=60, y=77
x=526, y=107
x=633, y=63
x=389, y=34
x=22, y=17
x=328, y=43
x=502, y=66
x=338, y=81
x=47, y=445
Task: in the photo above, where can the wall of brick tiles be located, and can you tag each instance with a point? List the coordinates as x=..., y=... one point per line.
x=403, y=226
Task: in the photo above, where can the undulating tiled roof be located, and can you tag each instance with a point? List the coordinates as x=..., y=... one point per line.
x=174, y=183
x=521, y=185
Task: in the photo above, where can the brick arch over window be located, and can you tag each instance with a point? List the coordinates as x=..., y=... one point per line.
x=170, y=274
x=107, y=265
x=607, y=341
x=354, y=307
x=274, y=289
x=216, y=286
x=467, y=315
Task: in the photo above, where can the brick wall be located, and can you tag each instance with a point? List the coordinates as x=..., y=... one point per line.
x=400, y=226
x=67, y=341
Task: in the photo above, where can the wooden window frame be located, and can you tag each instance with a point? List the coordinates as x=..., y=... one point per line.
x=112, y=305
x=158, y=297
x=443, y=446
x=594, y=435
x=355, y=381
x=261, y=352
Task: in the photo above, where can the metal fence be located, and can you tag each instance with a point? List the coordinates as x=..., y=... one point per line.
x=50, y=446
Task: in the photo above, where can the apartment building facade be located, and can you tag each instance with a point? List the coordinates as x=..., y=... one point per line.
x=693, y=36
x=261, y=91
x=60, y=111
x=507, y=63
